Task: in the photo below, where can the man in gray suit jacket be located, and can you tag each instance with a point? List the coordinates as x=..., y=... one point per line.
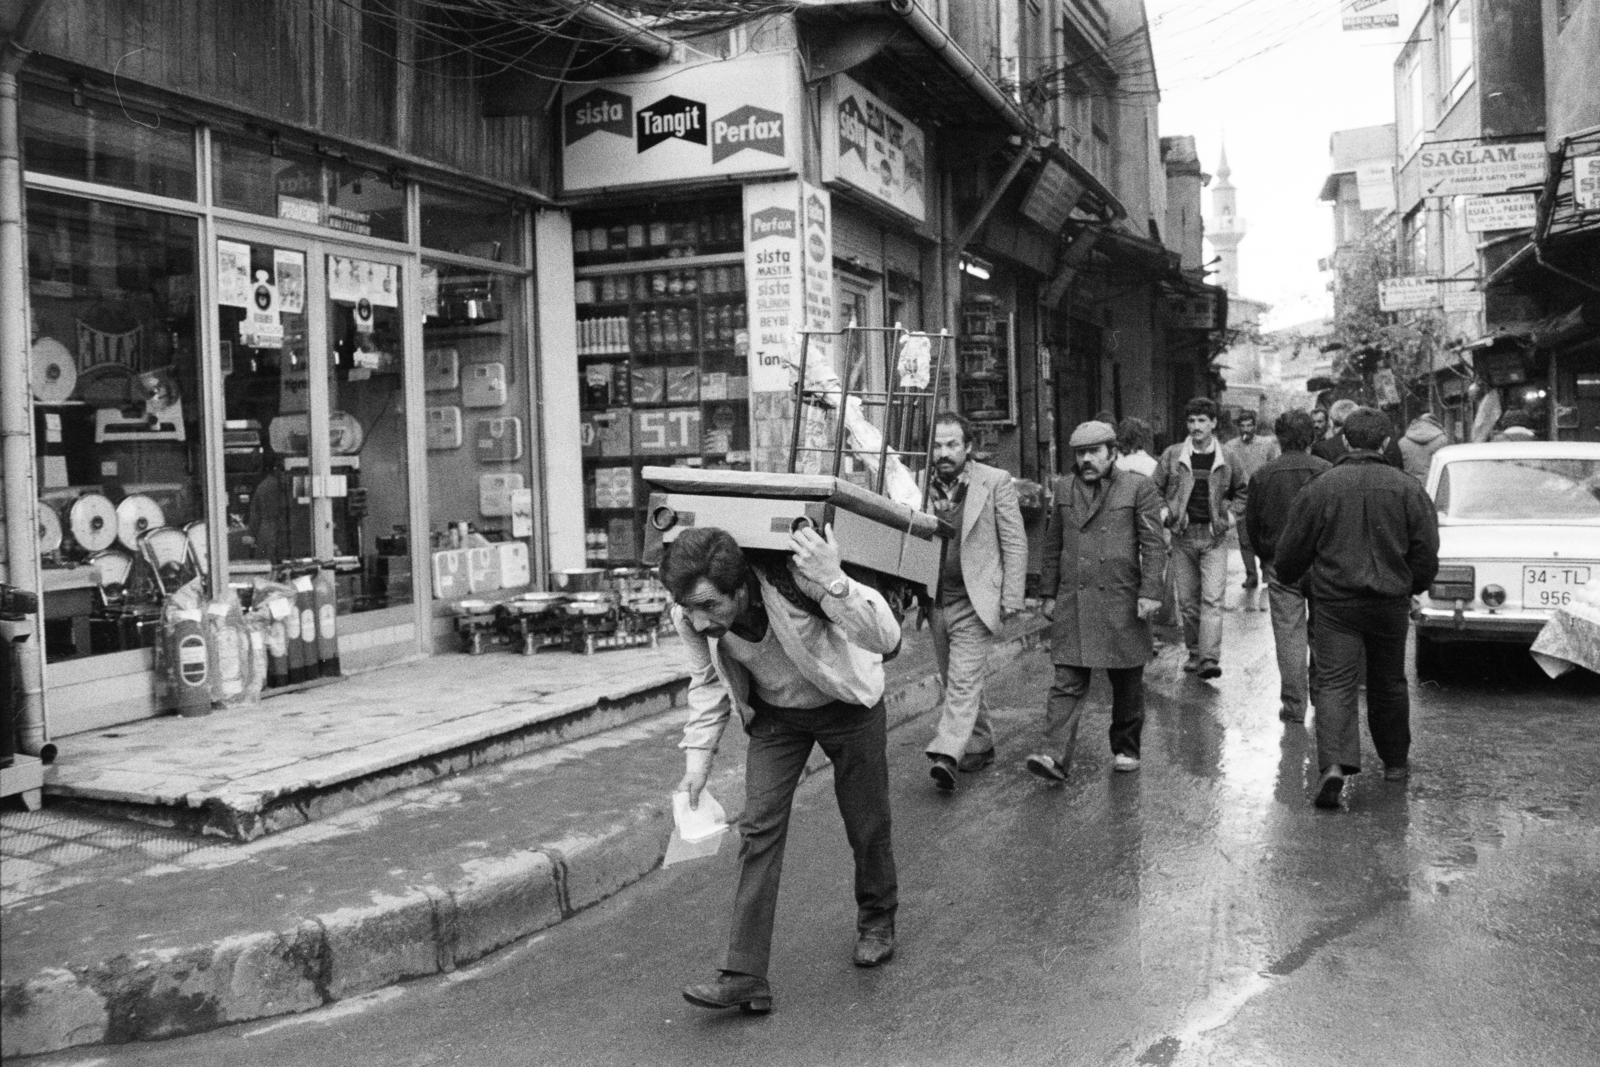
x=981, y=581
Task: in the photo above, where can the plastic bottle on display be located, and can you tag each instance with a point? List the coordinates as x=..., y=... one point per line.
x=325, y=595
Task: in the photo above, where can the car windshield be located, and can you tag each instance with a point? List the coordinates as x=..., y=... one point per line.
x=1523, y=489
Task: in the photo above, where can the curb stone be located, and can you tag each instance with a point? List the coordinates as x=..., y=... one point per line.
x=427, y=930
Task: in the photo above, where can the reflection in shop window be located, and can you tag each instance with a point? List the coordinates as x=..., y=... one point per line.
x=267, y=178
x=470, y=226
x=117, y=418
x=72, y=135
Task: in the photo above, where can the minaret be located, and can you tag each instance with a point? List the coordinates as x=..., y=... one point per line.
x=1227, y=228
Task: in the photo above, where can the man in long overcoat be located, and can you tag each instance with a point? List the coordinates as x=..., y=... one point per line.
x=1104, y=565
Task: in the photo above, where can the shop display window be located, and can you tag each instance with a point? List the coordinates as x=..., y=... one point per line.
x=255, y=175
x=662, y=353
x=985, y=373
x=480, y=452
x=470, y=226
x=74, y=135
x=117, y=410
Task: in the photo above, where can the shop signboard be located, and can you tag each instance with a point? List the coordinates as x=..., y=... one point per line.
x=1052, y=197
x=701, y=120
x=788, y=253
x=1369, y=14
x=1408, y=293
x=1375, y=186
x=1462, y=301
x=870, y=147
x=1474, y=168
x=1586, y=182
x=1192, y=311
x=1510, y=211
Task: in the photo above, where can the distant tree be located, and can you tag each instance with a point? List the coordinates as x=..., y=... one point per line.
x=1369, y=339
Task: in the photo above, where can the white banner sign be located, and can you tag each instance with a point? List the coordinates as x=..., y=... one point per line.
x=773, y=278
x=1375, y=186
x=1369, y=14
x=1474, y=168
x=1586, y=182
x=1469, y=301
x=871, y=147
x=736, y=116
x=817, y=243
x=1408, y=293
x=1515, y=211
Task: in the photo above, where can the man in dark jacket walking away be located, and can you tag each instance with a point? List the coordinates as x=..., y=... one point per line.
x=1367, y=537
x=1272, y=490
x=1102, y=578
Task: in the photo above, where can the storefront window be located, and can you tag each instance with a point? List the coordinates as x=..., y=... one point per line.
x=662, y=353
x=73, y=135
x=471, y=226
x=117, y=418
x=254, y=175
x=479, y=445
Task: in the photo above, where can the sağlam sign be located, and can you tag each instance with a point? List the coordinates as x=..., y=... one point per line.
x=872, y=148
x=1408, y=293
x=702, y=120
x=1453, y=168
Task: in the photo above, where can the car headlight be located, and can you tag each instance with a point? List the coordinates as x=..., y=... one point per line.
x=1455, y=581
x=1493, y=596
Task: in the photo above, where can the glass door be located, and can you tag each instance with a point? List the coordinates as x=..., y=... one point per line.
x=316, y=437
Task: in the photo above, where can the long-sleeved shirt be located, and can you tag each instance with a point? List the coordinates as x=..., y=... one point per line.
x=841, y=656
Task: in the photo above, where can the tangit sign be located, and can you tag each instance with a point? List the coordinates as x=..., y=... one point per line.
x=688, y=122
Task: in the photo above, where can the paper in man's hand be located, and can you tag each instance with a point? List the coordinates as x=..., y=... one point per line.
x=697, y=832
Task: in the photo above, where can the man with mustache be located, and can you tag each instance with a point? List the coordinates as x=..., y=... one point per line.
x=982, y=576
x=796, y=647
x=1104, y=566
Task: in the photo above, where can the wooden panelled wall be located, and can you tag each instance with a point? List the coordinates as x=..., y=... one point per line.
x=345, y=68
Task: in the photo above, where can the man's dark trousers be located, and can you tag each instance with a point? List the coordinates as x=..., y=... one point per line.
x=855, y=740
x=1064, y=709
x=1342, y=630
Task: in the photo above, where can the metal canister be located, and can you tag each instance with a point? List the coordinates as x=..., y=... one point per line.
x=188, y=667
x=305, y=605
x=325, y=596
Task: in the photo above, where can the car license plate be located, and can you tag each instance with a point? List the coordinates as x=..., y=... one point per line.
x=1550, y=585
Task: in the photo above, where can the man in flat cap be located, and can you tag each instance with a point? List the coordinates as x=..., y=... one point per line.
x=1105, y=562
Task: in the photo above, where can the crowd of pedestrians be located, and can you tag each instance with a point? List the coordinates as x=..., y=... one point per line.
x=1335, y=521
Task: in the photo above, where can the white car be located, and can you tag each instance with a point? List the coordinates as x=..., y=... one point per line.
x=1519, y=534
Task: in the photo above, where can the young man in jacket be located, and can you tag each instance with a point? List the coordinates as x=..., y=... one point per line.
x=1423, y=438
x=982, y=578
x=1200, y=485
x=1104, y=564
x=796, y=647
x=1249, y=452
x=1272, y=490
x=1366, y=536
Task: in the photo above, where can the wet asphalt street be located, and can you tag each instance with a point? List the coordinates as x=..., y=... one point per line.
x=1199, y=911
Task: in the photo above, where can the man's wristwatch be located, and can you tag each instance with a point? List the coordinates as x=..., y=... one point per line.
x=839, y=587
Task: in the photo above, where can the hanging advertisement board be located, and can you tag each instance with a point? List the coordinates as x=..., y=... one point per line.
x=1369, y=14
x=870, y=147
x=1408, y=293
x=788, y=275
x=1586, y=182
x=1451, y=168
x=1375, y=186
x=1514, y=211
x=701, y=120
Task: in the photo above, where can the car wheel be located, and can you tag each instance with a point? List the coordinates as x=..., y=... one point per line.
x=1428, y=658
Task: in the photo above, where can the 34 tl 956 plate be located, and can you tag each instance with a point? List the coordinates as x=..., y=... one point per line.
x=1550, y=585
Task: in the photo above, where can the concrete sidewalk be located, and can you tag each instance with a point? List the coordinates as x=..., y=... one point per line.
x=414, y=883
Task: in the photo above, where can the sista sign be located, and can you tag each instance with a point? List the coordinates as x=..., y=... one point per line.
x=695, y=121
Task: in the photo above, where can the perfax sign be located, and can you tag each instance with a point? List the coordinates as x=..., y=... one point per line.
x=699, y=120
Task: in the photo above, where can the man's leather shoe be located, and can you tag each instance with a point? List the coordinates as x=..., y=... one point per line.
x=874, y=947
x=976, y=761
x=743, y=991
x=1399, y=772
x=943, y=772
x=1209, y=670
x=1047, y=767
x=1328, y=795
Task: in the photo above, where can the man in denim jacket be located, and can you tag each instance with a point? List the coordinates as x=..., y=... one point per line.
x=1201, y=488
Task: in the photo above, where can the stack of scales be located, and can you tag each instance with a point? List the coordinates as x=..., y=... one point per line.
x=886, y=537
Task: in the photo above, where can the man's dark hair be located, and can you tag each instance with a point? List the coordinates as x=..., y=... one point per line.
x=1245, y=416
x=1133, y=434
x=1295, y=431
x=1516, y=417
x=1366, y=428
x=704, y=552
x=1201, y=405
x=953, y=418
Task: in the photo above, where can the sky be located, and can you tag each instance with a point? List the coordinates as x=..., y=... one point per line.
x=1272, y=79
